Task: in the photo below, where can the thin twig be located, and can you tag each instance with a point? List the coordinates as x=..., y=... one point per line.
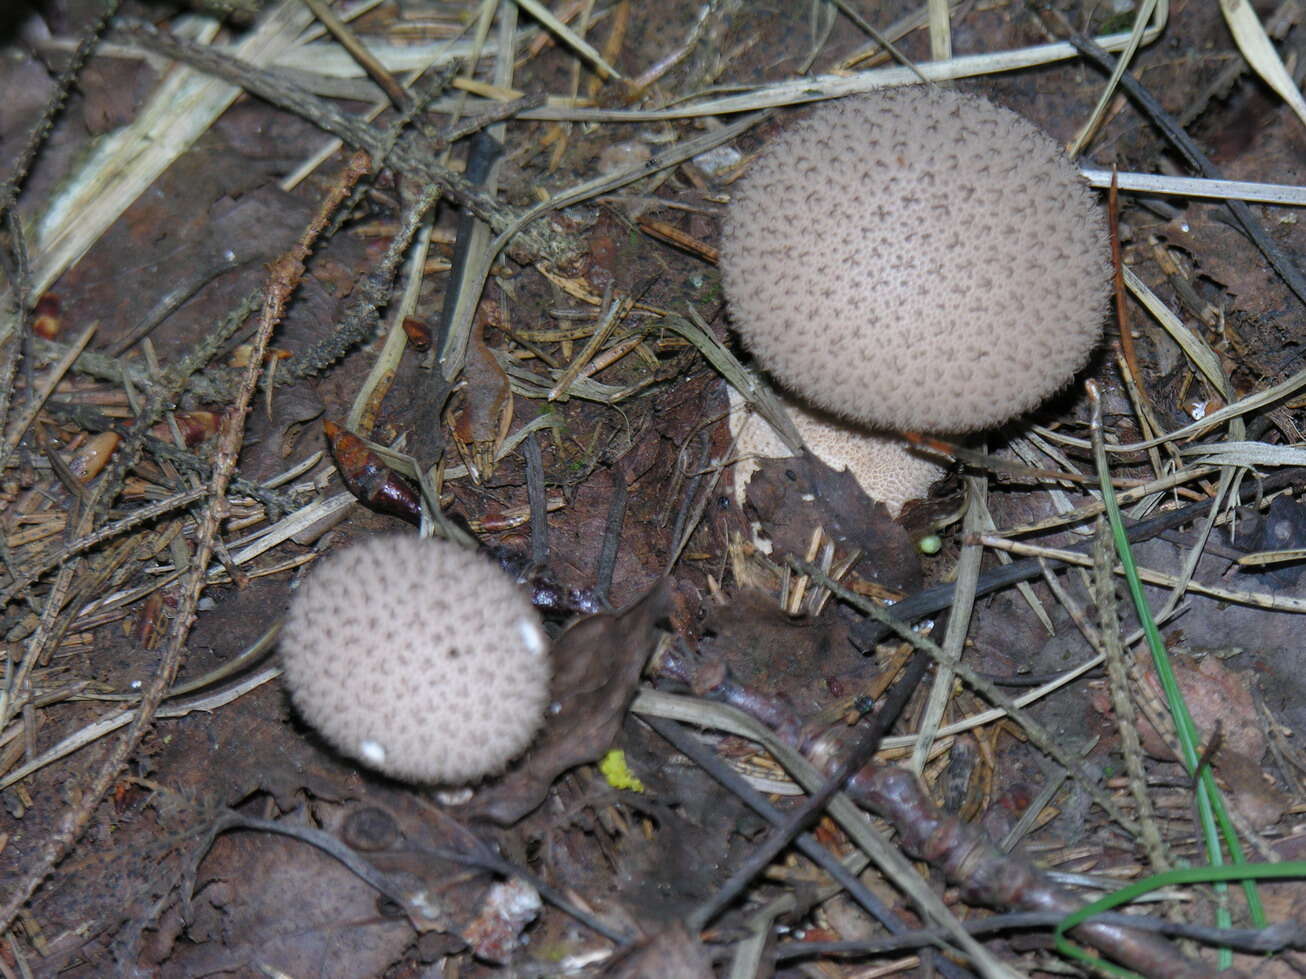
x=938, y=597
x=284, y=277
x=63, y=85
x=1038, y=735
x=1277, y=603
x=39, y=396
x=411, y=158
x=1104, y=595
x=873, y=730
x=687, y=745
x=1180, y=140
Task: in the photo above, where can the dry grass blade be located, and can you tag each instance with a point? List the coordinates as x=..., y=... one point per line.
x=568, y=36
x=954, y=640
x=1255, y=45
x=367, y=402
x=1278, y=603
x=819, y=87
x=1247, y=454
x=1200, y=187
x=125, y=163
x=93, y=732
x=1090, y=127
x=1253, y=402
x=748, y=383
x=1263, y=558
x=1196, y=349
x=850, y=818
x=1090, y=510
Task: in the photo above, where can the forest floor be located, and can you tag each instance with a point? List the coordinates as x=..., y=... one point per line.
x=165, y=810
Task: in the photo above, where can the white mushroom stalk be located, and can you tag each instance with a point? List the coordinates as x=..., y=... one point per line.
x=885, y=467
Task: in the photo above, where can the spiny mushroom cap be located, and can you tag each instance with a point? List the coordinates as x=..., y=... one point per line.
x=885, y=468
x=917, y=259
x=418, y=658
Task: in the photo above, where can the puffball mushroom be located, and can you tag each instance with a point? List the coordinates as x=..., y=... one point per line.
x=885, y=468
x=418, y=658
x=917, y=259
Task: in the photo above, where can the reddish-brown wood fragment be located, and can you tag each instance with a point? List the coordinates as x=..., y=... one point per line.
x=195, y=427
x=87, y=461
x=376, y=485
x=47, y=320
x=419, y=334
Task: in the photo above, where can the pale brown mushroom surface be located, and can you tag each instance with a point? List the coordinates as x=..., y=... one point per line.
x=418, y=658
x=917, y=259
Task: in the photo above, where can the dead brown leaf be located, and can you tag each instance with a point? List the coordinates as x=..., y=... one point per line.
x=597, y=664
x=671, y=952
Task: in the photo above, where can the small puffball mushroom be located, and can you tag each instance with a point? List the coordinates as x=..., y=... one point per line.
x=418, y=658
x=886, y=469
x=917, y=259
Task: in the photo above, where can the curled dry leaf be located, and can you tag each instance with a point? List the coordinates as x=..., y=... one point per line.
x=597, y=662
x=377, y=486
x=1215, y=695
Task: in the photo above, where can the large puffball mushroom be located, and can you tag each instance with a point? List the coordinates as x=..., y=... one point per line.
x=418, y=658
x=917, y=259
x=886, y=469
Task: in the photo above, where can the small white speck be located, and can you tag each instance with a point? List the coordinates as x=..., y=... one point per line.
x=719, y=159
x=1184, y=227
x=429, y=909
x=1198, y=409
x=808, y=497
x=372, y=752
x=574, y=963
x=136, y=684
x=532, y=637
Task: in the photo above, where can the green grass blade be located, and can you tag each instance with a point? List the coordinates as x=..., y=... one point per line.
x=1213, y=817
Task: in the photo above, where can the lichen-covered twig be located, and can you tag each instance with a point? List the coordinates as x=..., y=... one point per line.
x=41, y=128
x=284, y=277
x=413, y=158
x=372, y=292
